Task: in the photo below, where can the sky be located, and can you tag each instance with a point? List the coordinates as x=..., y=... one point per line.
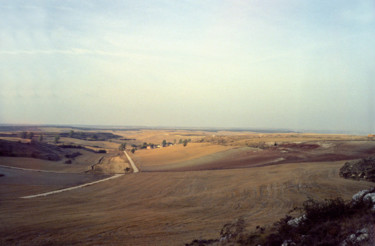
x=291, y=64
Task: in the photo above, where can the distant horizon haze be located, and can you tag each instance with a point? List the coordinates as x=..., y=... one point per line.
x=190, y=128
x=227, y=64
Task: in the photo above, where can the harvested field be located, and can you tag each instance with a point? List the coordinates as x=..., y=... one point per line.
x=169, y=208
x=80, y=163
x=181, y=193
x=229, y=157
x=176, y=153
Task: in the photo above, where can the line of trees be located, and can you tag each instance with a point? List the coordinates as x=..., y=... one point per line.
x=26, y=135
x=145, y=145
x=31, y=135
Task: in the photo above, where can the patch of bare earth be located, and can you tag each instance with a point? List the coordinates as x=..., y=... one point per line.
x=112, y=164
x=169, y=208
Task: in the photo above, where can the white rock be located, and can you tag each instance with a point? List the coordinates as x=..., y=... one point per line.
x=358, y=237
x=288, y=243
x=359, y=195
x=295, y=222
x=369, y=196
x=364, y=230
x=362, y=237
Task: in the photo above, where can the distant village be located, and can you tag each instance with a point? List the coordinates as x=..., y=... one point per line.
x=164, y=144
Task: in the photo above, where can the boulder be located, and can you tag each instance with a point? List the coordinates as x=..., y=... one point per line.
x=363, y=169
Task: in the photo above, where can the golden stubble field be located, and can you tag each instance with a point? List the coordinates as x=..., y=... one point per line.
x=169, y=208
x=174, y=207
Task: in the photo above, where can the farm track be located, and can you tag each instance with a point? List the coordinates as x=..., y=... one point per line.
x=72, y=188
x=135, y=169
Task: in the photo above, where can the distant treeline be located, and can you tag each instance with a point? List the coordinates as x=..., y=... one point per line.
x=41, y=150
x=72, y=146
x=90, y=136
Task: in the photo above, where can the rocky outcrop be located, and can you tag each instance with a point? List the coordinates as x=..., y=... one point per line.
x=363, y=169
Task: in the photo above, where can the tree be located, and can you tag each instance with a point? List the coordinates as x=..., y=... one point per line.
x=41, y=138
x=180, y=141
x=30, y=135
x=122, y=146
x=144, y=146
x=133, y=150
x=57, y=138
x=23, y=135
x=185, y=142
x=164, y=143
x=127, y=169
x=71, y=133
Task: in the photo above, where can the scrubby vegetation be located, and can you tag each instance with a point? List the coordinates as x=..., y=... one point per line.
x=328, y=222
x=90, y=136
x=33, y=149
x=41, y=150
x=363, y=169
x=122, y=146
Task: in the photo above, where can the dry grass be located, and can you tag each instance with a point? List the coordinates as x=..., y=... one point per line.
x=170, y=208
x=176, y=153
x=80, y=164
x=112, y=164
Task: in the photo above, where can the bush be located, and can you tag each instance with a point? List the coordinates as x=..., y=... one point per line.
x=328, y=222
x=122, y=146
x=73, y=155
x=325, y=222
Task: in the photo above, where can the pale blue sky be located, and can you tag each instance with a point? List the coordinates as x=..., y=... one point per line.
x=266, y=64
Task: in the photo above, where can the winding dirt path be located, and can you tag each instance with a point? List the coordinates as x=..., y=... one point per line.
x=72, y=188
x=135, y=169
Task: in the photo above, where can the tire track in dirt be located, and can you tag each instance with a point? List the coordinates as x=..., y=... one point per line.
x=71, y=188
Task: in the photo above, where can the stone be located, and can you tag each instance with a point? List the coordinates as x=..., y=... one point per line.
x=296, y=221
x=359, y=195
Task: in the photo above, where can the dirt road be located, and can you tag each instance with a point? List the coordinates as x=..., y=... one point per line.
x=135, y=169
x=72, y=188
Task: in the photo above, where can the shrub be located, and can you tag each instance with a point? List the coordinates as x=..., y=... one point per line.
x=328, y=222
x=122, y=146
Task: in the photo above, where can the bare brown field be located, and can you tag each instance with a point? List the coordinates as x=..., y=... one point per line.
x=182, y=193
x=197, y=157
x=177, y=153
x=81, y=163
x=112, y=164
x=169, y=208
x=16, y=183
